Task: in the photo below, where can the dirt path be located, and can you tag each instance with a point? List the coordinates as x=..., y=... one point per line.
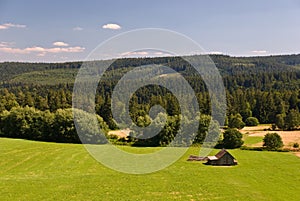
x=120, y=133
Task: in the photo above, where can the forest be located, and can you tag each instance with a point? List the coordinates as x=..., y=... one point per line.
x=36, y=97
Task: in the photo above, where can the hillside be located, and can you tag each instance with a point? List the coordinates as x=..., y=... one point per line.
x=50, y=171
x=16, y=72
x=267, y=88
x=46, y=77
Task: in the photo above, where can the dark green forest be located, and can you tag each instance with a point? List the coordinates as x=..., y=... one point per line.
x=36, y=97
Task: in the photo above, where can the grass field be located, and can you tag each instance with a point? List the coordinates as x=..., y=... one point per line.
x=48, y=171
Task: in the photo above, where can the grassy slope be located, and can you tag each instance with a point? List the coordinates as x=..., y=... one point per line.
x=49, y=171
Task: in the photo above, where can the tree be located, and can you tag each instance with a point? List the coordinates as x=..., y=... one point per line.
x=246, y=112
x=279, y=121
x=236, y=121
x=292, y=120
x=7, y=101
x=232, y=138
x=252, y=121
x=90, y=128
x=203, y=128
x=26, y=123
x=272, y=141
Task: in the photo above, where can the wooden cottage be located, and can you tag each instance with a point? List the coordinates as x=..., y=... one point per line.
x=223, y=158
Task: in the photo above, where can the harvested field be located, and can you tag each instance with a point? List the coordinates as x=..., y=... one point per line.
x=288, y=137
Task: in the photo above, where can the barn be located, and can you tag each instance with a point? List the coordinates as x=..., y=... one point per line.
x=223, y=158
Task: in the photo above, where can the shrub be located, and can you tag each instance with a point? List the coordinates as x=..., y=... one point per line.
x=296, y=145
x=272, y=141
x=236, y=121
x=232, y=138
x=273, y=127
x=26, y=123
x=252, y=121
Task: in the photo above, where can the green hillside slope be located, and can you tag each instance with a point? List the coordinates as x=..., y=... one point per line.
x=48, y=171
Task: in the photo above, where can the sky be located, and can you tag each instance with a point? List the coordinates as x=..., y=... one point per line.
x=58, y=31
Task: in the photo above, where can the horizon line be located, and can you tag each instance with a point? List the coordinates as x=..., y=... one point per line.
x=146, y=57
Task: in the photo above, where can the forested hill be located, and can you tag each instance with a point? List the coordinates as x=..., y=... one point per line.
x=267, y=88
x=9, y=70
x=226, y=64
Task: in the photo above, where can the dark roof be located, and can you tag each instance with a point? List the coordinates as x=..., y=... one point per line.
x=222, y=153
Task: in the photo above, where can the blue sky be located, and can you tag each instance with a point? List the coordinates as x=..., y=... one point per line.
x=40, y=30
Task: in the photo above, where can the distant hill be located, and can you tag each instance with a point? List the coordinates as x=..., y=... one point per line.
x=51, y=73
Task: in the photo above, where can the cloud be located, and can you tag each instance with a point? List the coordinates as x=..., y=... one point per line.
x=10, y=25
x=41, y=51
x=259, y=51
x=140, y=53
x=6, y=44
x=214, y=52
x=148, y=53
x=77, y=29
x=111, y=26
x=60, y=44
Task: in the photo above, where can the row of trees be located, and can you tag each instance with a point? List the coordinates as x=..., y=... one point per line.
x=281, y=109
x=33, y=124
x=30, y=123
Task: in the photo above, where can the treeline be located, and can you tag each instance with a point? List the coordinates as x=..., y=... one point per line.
x=266, y=106
x=30, y=123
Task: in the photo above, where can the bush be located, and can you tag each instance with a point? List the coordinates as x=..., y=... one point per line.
x=236, y=121
x=296, y=145
x=26, y=123
x=252, y=121
x=272, y=141
x=273, y=127
x=232, y=138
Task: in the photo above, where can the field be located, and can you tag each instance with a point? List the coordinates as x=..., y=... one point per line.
x=50, y=171
x=254, y=136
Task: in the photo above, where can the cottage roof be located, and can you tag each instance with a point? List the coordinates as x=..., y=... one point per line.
x=212, y=158
x=222, y=153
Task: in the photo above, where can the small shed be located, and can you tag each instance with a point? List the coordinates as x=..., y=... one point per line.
x=223, y=158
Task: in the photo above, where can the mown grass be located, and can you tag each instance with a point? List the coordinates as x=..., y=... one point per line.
x=252, y=140
x=49, y=171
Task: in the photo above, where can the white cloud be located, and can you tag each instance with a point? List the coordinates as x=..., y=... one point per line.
x=6, y=44
x=11, y=25
x=259, y=51
x=148, y=53
x=111, y=26
x=140, y=53
x=60, y=44
x=214, y=52
x=77, y=29
x=41, y=51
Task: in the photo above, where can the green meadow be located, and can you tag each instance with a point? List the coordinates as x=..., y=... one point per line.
x=51, y=171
